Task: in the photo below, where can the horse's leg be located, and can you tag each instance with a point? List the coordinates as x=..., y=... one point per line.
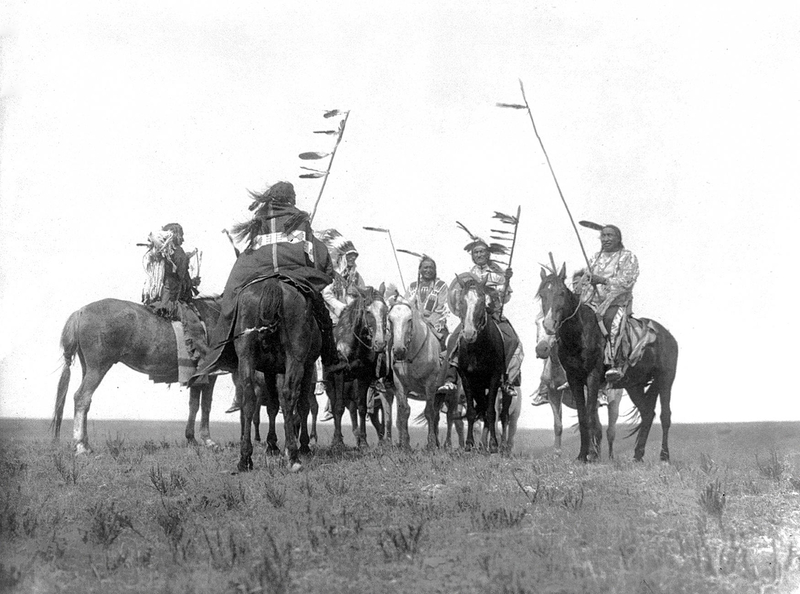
x=554, y=397
x=432, y=416
x=273, y=405
x=201, y=397
x=490, y=401
x=245, y=351
x=313, y=406
x=665, y=391
x=303, y=406
x=289, y=390
x=194, y=406
x=579, y=397
x=387, y=399
x=613, y=415
x=257, y=412
x=646, y=413
x=334, y=386
x=468, y=389
x=361, y=388
x=83, y=400
x=403, y=412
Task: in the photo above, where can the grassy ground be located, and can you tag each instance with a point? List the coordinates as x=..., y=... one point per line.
x=145, y=513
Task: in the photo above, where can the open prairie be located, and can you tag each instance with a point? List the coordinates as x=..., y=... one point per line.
x=145, y=513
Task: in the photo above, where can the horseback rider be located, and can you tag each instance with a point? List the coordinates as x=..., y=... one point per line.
x=279, y=241
x=608, y=289
x=168, y=280
x=429, y=295
x=346, y=277
x=498, y=293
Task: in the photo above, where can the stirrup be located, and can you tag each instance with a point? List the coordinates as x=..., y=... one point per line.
x=538, y=399
x=236, y=406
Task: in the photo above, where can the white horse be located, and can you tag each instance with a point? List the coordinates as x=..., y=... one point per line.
x=416, y=361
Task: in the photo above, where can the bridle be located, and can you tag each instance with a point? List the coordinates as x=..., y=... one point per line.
x=480, y=324
x=407, y=341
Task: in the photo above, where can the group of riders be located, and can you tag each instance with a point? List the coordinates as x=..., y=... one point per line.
x=280, y=242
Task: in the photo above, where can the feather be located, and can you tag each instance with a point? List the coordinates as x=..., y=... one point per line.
x=504, y=218
x=591, y=225
x=296, y=221
x=415, y=254
x=496, y=248
x=501, y=231
x=501, y=238
x=473, y=237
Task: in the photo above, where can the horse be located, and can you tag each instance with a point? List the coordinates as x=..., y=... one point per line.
x=580, y=350
x=112, y=331
x=481, y=358
x=275, y=333
x=360, y=336
x=416, y=361
x=558, y=392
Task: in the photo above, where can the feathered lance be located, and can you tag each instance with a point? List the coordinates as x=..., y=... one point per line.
x=553, y=173
x=394, y=251
x=509, y=220
x=316, y=173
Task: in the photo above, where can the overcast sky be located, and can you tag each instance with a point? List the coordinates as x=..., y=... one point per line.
x=678, y=122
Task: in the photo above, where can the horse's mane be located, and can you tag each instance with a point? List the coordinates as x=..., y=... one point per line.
x=353, y=312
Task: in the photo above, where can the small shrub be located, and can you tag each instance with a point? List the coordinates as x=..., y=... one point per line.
x=115, y=445
x=150, y=447
x=772, y=468
x=164, y=485
x=573, y=499
x=712, y=499
x=225, y=553
x=69, y=470
x=233, y=497
x=106, y=523
x=272, y=573
x=401, y=542
x=707, y=464
x=172, y=521
x=276, y=496
x=497, y=519
x=337, y=487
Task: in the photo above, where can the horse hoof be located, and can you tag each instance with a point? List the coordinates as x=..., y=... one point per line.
x=305, y=450
x=82, y=450
x=245, y=465
x=295, y=467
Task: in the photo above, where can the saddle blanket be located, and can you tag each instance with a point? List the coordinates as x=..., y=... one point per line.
x=638, y=334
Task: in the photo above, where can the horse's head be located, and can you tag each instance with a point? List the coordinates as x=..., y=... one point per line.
x=362, y=322
x=401, y=326
x=472, y=307
x=556, y=299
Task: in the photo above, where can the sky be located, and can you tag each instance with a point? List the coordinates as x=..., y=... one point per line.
x=678, y=122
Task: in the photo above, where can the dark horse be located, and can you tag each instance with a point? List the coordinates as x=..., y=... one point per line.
x=580, y=350
x=360, y=337
x=112, y=331
x=275, y=333
x=481, y=358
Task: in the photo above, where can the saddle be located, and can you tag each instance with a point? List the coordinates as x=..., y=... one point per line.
x=636, y=334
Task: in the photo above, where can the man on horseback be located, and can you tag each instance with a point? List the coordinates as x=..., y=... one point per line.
x=429, y=295
x=280, y=243
x=608, y=289
x=167, y=265
x=345, y=277
x=498, y=294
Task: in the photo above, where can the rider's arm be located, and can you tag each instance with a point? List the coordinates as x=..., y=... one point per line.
x=331, y=301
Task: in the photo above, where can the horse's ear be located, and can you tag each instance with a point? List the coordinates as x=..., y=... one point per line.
x=460, y=282
x=562, y=274
x=543, y=273
x=382, y=289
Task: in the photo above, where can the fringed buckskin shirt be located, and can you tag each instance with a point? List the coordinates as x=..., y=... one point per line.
x=621, y=269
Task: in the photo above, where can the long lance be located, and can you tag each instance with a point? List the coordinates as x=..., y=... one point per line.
x=553, y=173
x=394, y=251
x=330, y=163
x=511, y=255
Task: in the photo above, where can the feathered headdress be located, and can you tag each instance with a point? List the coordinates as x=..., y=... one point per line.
x=495, y=249
x=422, y=257
x=338, y=247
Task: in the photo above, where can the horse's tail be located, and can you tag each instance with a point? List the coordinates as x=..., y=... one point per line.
x=634, y=416
x=69, y=346
x=270, y=306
